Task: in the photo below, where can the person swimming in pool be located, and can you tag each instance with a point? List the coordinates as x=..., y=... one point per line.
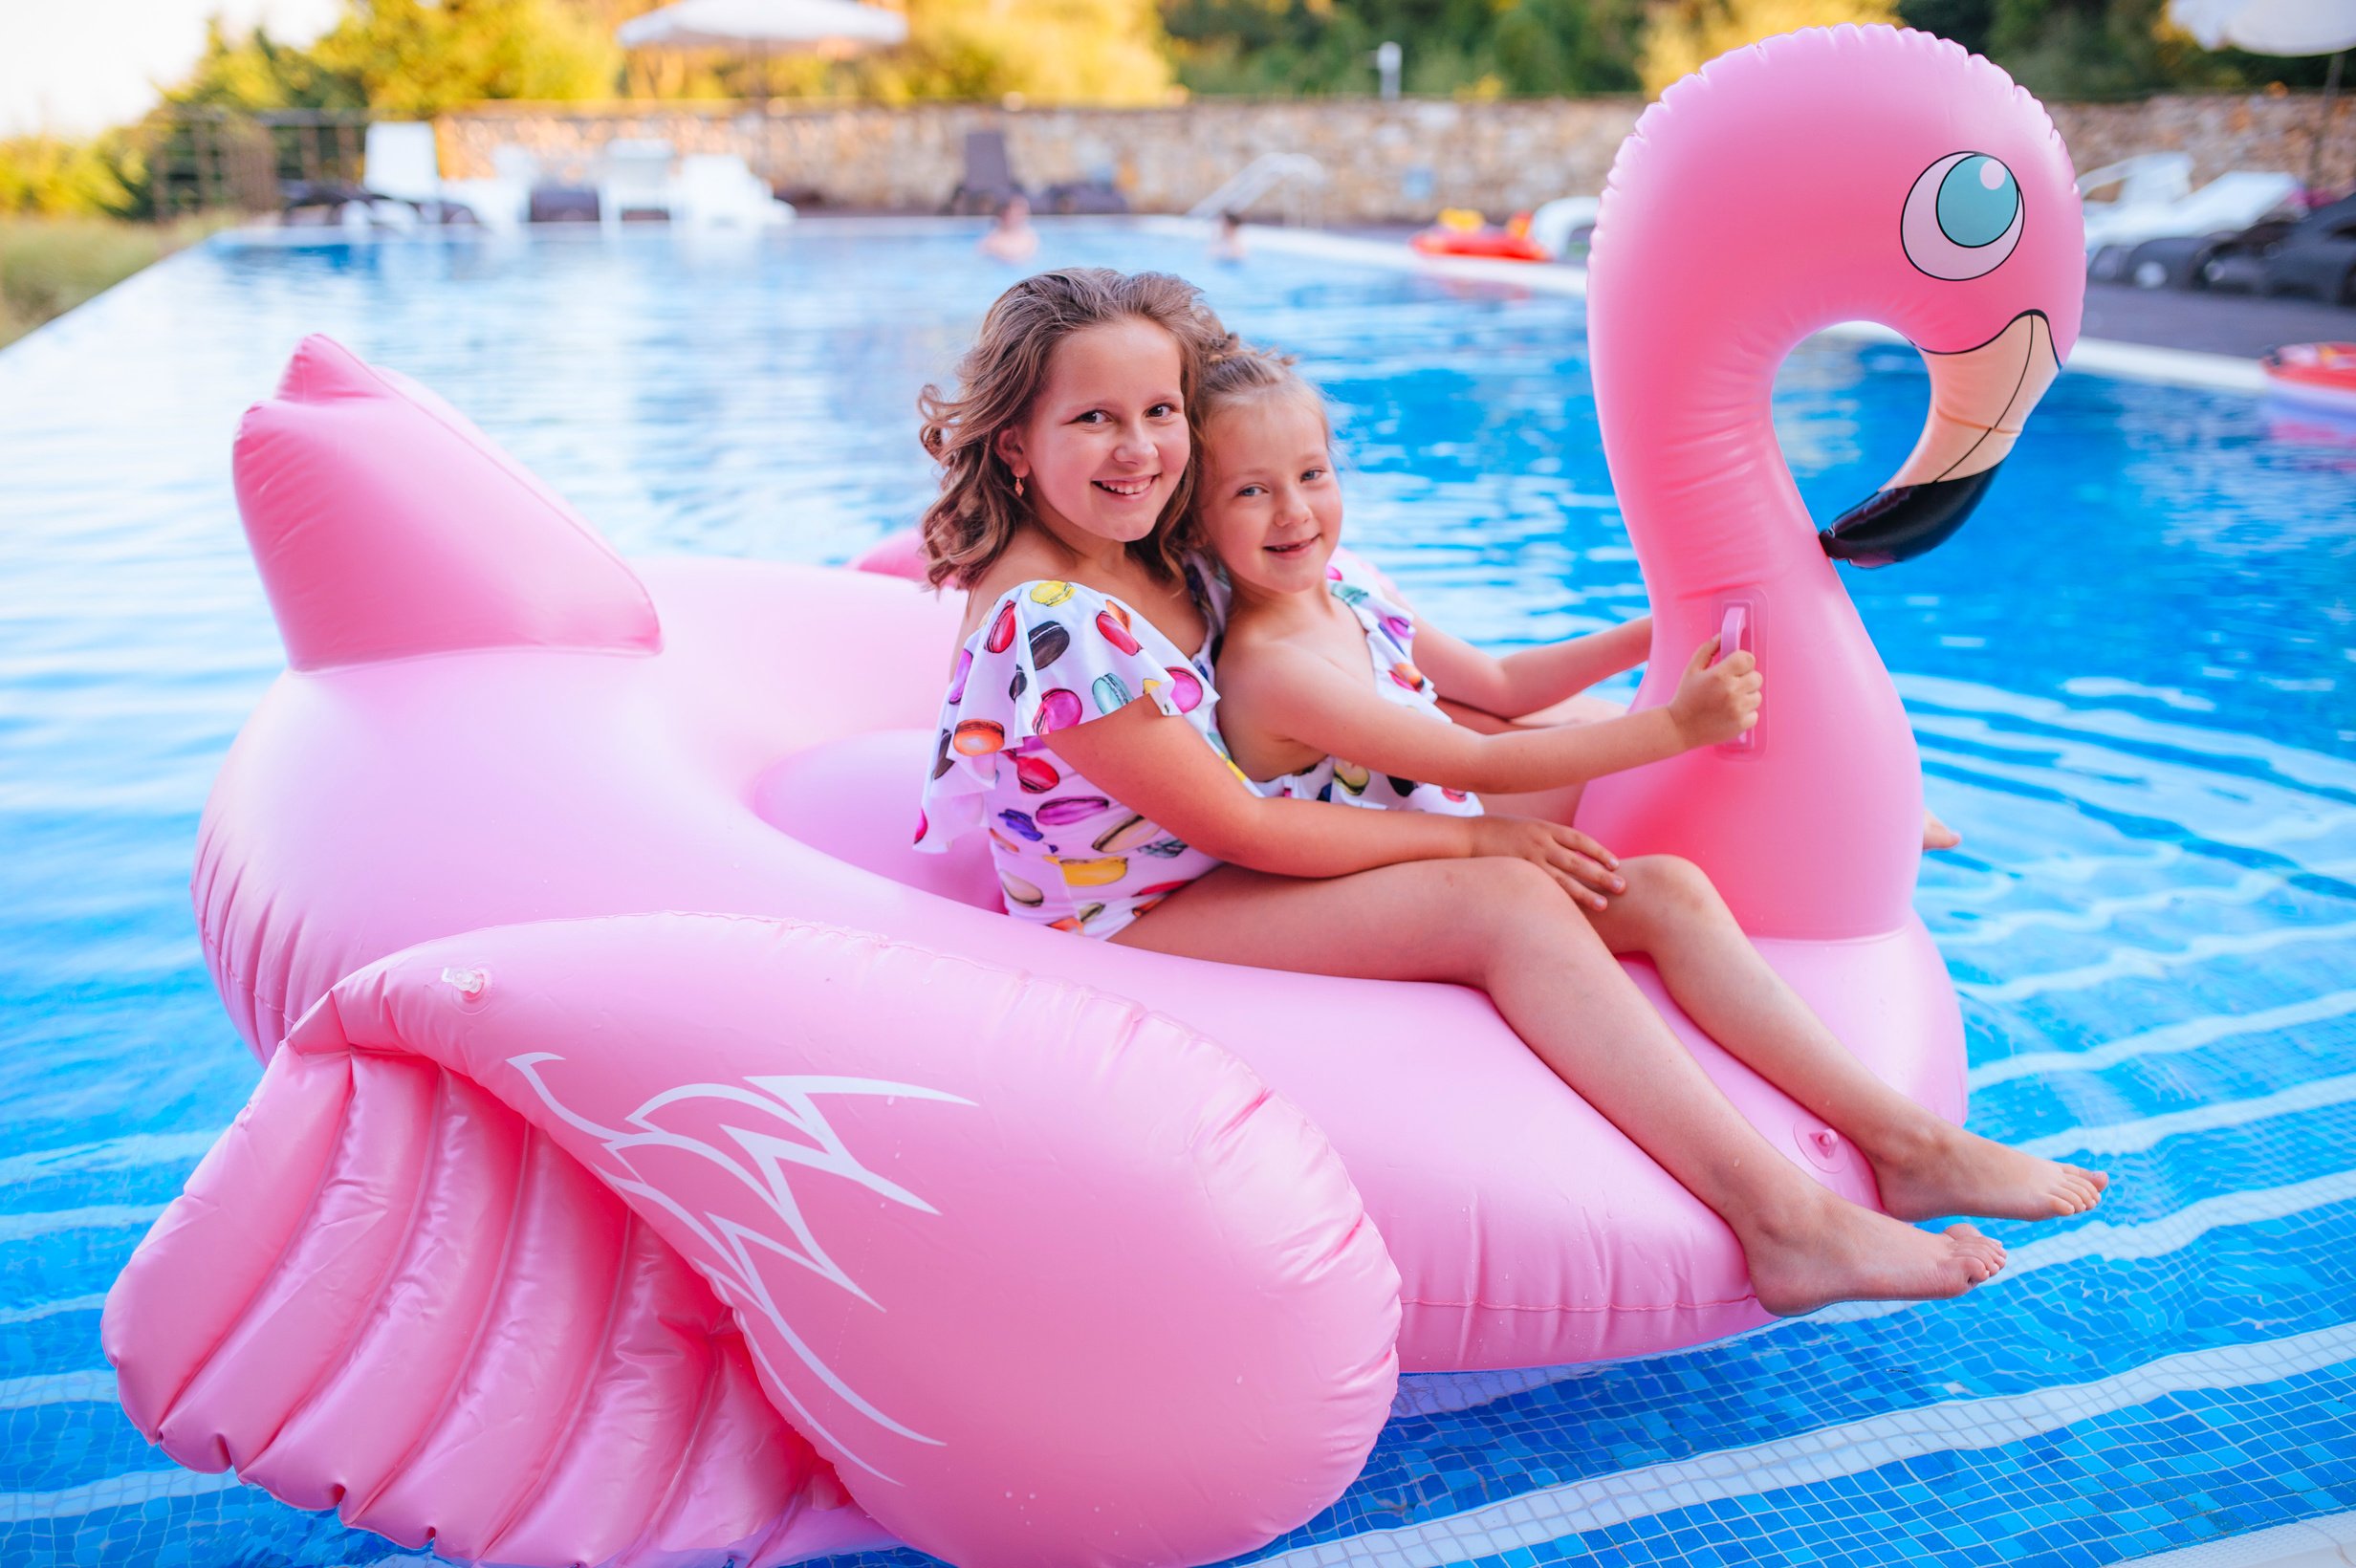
x=1011, y=238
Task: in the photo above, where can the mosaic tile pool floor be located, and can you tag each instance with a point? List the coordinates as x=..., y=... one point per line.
x=2130, y=679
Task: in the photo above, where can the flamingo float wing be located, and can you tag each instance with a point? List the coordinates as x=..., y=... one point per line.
x=385, y=1293
x=518, y=1220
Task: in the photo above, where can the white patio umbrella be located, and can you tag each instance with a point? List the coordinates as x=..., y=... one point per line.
x=835, y=29
x=2277, y=27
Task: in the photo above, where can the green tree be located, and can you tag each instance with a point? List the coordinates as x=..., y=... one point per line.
x=418, y=57
x=2099, y=49
x=258, y=72
x=1682, y=35
x=1569, y=46
x=1049, y=50
x=48, y=176
x=1467, y=47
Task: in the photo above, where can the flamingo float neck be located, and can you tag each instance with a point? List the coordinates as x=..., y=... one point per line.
x=1913, y=186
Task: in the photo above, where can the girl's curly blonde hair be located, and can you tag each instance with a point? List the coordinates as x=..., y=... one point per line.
x=978, y=513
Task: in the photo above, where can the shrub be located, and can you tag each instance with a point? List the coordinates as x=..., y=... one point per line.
x=50, y=265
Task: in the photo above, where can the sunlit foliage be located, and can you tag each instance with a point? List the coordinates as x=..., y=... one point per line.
x=1465, y=47
x=1681, y=35
x=1110, y=52
x=53, y=176
x=418, y=57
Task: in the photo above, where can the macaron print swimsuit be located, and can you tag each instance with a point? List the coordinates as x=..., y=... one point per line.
x=1048, y=656
x=1390, y=642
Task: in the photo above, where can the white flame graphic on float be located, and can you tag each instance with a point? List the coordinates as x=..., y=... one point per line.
x=759, y=1163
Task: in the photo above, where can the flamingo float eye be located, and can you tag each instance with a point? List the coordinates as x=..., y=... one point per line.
x=1962, y=218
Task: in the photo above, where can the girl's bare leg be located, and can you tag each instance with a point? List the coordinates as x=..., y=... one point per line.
x=1926, y=1167
x=1504, y=926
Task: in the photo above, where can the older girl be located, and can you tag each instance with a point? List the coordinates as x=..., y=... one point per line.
x=1080, y=731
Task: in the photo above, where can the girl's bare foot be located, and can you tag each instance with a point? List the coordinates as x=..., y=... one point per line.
x=1933, y=1170
x=1937, y=834
x=1833, y=1251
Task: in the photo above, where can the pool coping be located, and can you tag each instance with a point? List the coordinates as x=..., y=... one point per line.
x=2326, y=1541
x=2096, y=356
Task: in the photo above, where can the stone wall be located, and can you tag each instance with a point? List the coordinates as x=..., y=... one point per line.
x=1384, y=161
x=2251, y=131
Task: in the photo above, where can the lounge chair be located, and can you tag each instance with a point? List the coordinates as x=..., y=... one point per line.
x=2151, y=179
x=989, y=180
x=503, y=201
x=637, y=178
x=2226, y=205
x=717, y=190
x=2315, y=257
x=401, y=170
x=1098, y=193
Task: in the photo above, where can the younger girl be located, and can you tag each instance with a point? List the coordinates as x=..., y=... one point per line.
x=1320, y=664
x=1079, y=730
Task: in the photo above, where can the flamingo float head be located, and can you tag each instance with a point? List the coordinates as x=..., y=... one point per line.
x=1818, y=177
x=1861, y=173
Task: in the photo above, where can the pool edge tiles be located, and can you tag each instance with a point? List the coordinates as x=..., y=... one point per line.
x=2098, y=355
x=2328, y=1540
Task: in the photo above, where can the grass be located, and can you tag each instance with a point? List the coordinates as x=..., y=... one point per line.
x=50, y=265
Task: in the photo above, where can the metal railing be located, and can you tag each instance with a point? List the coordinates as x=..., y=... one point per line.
x=1299, y=175
x=212, y=160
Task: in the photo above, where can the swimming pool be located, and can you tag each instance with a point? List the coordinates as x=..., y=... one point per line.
x=2130, y=677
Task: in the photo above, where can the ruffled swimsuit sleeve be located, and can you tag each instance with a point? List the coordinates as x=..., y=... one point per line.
x=1048, y=656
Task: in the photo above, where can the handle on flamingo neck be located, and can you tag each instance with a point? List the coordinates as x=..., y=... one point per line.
x=1735, y=636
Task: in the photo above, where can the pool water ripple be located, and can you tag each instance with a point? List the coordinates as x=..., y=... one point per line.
x=2131, y=678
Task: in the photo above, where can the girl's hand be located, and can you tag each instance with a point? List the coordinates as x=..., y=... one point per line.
x=1587, y=870
x=1716, y=703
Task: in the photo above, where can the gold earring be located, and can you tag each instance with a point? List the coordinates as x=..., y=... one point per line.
x=1018, y=485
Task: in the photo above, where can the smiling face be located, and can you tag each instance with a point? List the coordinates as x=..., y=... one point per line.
x=1268, y=502
x=1104, y=445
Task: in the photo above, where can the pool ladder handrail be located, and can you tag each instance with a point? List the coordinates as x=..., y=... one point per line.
x=1292, y=171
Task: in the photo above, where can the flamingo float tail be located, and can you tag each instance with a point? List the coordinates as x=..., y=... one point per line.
x=370, y=554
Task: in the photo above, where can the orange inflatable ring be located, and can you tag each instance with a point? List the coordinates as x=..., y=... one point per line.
x=1498, y=243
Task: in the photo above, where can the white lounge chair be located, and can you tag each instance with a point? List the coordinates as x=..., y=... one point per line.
x=637, y=179
x=402, y=171
x=503, y=202
x=2151, y=179
x=716, y=191
x=399, y=160
x=2228, y=204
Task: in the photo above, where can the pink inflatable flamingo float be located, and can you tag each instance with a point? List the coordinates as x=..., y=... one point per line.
x=658, y=1161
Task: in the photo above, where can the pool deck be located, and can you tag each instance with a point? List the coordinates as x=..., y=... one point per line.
x=2238, y=325
x=2128, y=331
x=2211, y=342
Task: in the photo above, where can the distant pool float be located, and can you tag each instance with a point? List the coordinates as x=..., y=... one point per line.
x=657, y=1160
x=2320, y=378
x=1460, y=233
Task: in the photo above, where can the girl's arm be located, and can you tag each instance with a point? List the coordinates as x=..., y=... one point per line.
x=1161, y=769
x=1533, y=677
x=1305, y=699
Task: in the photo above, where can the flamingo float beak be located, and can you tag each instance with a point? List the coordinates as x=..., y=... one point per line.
x=1979, y=398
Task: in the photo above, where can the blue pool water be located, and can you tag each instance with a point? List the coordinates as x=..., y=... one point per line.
x=2134, y=678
